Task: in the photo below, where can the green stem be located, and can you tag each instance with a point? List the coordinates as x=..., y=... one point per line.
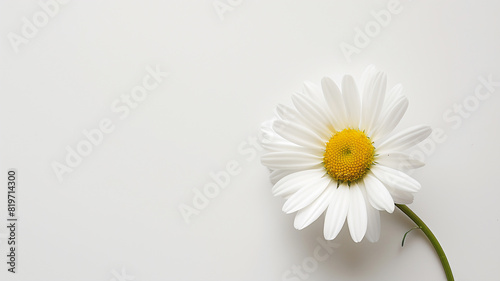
x=432, y=239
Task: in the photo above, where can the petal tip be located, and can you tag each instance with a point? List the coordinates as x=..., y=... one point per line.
x=390, y=209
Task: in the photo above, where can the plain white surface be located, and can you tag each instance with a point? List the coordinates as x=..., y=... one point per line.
x=117, y=212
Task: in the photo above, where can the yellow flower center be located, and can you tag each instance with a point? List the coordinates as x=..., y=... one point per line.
x=349, y=154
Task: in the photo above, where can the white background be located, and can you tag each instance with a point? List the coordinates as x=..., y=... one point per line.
x=118, y=211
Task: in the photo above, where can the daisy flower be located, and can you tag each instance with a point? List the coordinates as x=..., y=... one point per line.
x=334, y=152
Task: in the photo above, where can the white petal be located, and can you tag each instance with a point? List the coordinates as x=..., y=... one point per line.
x=293, y=182
x=405, y=139
x=267, y=125
x=290, y=114
x=306, y=194
x=357, y=216
x=400, y=197
x=313, y=91
x=335, y=102
x=352, y=101
x=373, y=229
x=373, y=101
x=391, y=119
x=315, y=115
x=291, y=160
x=392, y=98
x=395, y=93
x=367, y=76
x=287, y=113
x=267, y=134
x=395, y=179
x=312, y=212
x=399, y=161
x=277, y=175
x=378, y=195
x=337, y=212
x=298, y=134
x=373, y=217
x=282, y=146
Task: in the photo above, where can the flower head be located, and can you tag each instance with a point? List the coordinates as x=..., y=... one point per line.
x=333, y=151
